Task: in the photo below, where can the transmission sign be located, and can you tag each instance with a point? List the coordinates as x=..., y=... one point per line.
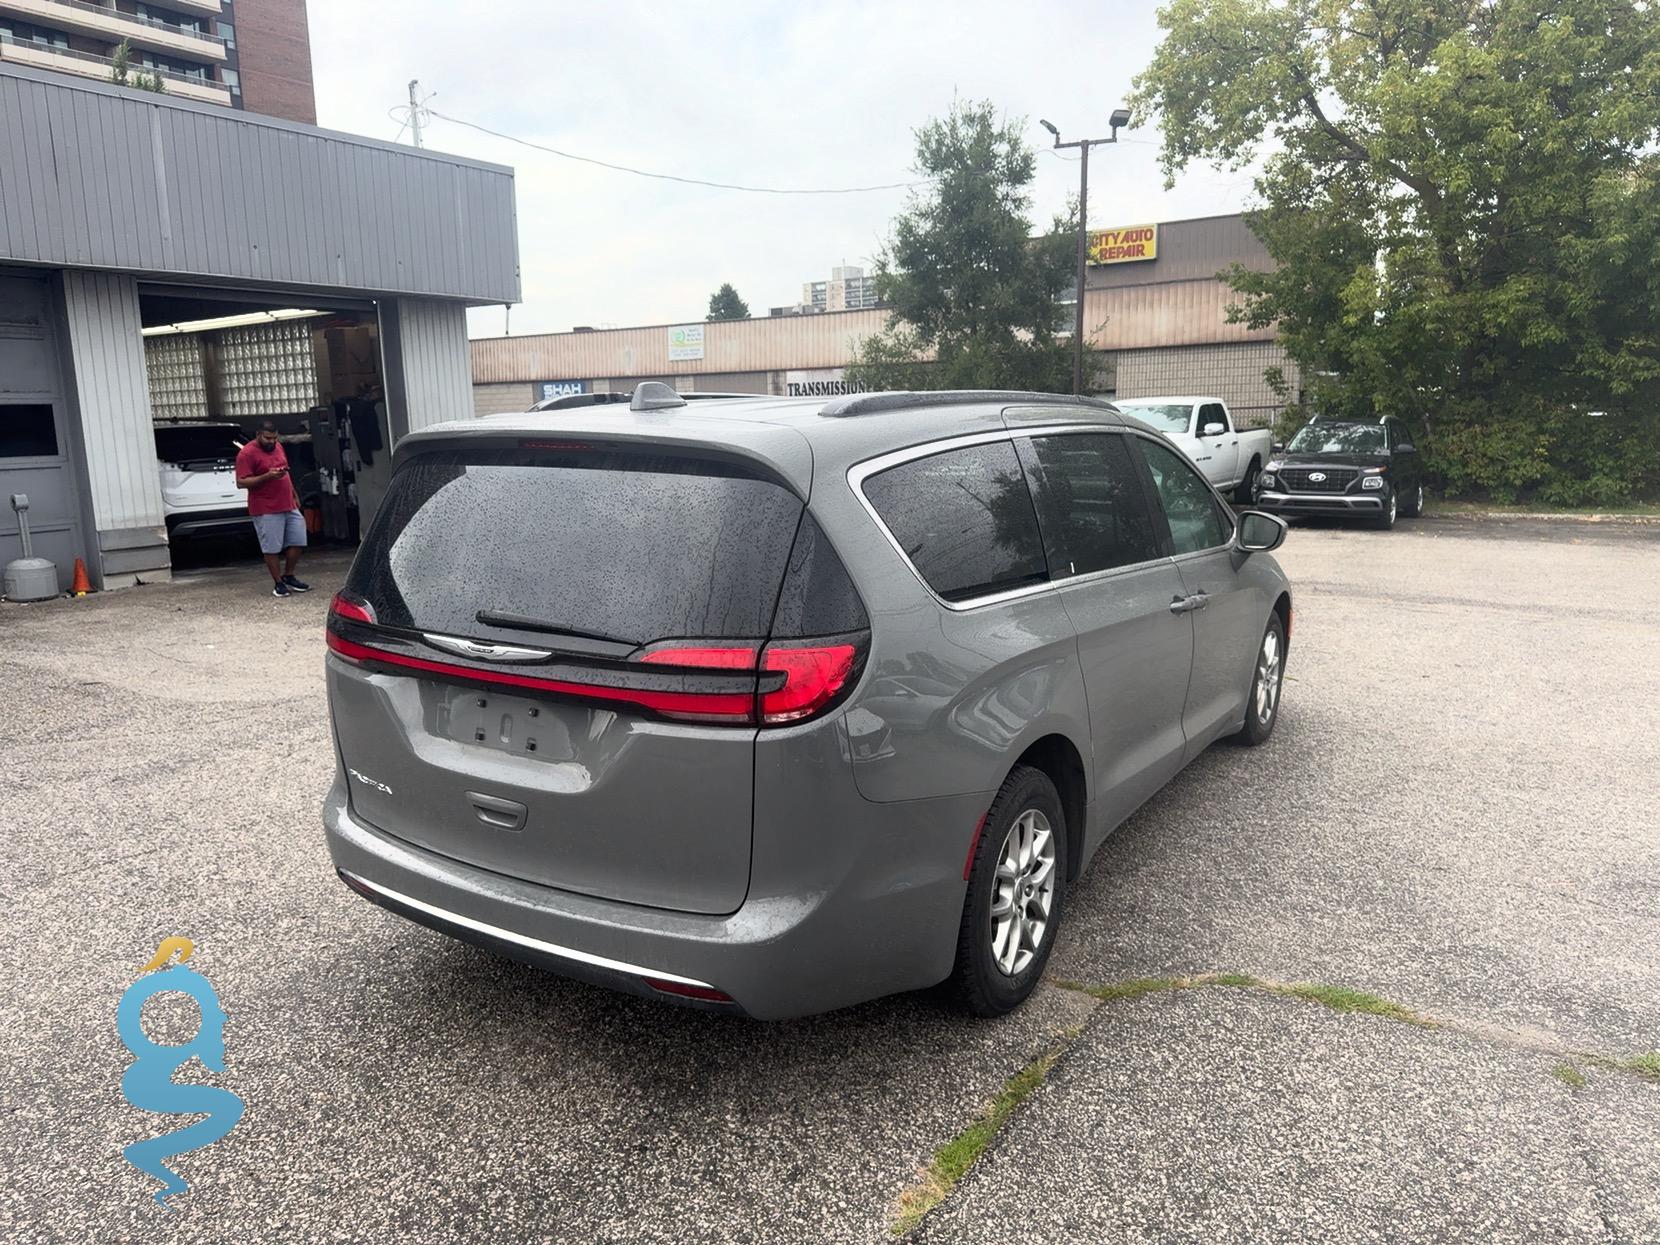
x=1123, y=246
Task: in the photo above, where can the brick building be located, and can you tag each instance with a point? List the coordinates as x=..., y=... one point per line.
x=251, y=54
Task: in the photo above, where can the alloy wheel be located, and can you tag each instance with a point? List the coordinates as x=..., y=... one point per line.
x=1023, y=893
x=1268, y=677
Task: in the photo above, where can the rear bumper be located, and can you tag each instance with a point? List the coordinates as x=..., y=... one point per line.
x=1356, y=505
x=887, y=924
x=200, y=522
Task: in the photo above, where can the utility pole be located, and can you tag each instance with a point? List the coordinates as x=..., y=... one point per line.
x=415, y=111
x=1120, y=119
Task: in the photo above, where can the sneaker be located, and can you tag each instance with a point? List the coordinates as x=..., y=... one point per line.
x=280, y=589
x=296, y=585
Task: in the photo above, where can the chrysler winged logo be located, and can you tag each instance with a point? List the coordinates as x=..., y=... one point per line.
x=488, y=652
x=1314, y=477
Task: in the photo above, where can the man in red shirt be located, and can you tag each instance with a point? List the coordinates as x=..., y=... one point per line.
x=262, y=469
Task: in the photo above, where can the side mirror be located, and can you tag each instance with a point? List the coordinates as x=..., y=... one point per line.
x=1405, y=448
x=1260, y=532
x=1277, y=448
x=1213, y=430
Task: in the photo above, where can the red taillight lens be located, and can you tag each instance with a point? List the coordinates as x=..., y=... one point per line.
x=687, y=990
x=700, y=658
x=351, y=608
x=813, y=675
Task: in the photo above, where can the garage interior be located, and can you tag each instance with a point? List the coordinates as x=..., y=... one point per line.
x=218, y=357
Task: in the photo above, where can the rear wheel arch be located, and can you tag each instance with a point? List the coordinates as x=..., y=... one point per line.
x=1058, y=758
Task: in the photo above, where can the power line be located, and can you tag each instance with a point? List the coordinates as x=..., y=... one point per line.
x=670, y=177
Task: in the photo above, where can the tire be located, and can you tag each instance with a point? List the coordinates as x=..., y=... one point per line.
x=979, y=982
x=1415, y=504
x=1259, y=725
x=1386, y=521
x=1244, y=495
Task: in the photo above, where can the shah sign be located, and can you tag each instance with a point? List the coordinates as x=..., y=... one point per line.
x=685, y=343
x=1123, y=246
x=559, y=389
x=821, y=382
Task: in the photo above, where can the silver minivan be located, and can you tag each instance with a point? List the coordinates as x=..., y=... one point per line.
x=776, y=705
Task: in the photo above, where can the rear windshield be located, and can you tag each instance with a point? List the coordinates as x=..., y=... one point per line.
x=188, y=445
x=619, y=546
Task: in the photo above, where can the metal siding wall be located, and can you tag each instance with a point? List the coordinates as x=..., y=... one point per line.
x=94, y=176
x=431, y=345
x=107, y=351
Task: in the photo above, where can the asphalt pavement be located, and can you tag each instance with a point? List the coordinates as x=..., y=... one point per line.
x=1455, y=814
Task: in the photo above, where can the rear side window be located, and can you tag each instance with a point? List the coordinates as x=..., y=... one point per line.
x=1090, y=502
x=612, y=545
x=964, y=518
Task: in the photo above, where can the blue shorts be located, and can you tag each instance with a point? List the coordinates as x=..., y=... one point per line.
x=277, y=532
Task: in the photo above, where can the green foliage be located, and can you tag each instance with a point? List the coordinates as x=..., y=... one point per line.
x=724, y=304
x=122, y=75
x=969, y=286
x=1463, y=202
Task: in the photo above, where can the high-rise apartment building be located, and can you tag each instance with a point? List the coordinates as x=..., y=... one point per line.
x=252, y=54
x=848, y=289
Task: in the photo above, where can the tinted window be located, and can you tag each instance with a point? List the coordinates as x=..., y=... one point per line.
x=630, y=547
x=964, y=518
x=1090, y=503
x=1190, y=507
x=818, y=598
x=28, y=431
x=194, y=445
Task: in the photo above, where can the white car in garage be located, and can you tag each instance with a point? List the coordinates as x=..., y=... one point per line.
x=197, y=462
x=1203, y=428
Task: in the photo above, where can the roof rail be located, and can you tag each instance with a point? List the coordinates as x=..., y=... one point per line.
x=569, y=401
x=908, y=400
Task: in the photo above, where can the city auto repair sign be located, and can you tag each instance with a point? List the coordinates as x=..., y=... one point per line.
x=1123, y=246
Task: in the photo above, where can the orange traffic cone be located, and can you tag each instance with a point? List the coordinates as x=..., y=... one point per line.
x=83, y=585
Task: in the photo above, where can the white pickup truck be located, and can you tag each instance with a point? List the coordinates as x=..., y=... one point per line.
x=1205, y=432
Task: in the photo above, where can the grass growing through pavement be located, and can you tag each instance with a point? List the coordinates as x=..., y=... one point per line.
x=956, y=1156
x=1644, y=1065
x=1569, y=1075
x=1338, y=998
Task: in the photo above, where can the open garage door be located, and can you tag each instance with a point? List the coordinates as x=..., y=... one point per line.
x=220, y=362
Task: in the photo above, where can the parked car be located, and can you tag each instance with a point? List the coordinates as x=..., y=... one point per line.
x=197, y=462
x=1366, y=469
x=1204, y=428
x=777, y=705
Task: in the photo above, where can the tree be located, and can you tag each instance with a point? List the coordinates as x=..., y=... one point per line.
x=1462, y=205
x=966, y=281
x=724, y=304
x=121, y=72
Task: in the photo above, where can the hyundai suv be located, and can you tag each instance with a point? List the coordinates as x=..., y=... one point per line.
x=777, y=705
x=1345, y=468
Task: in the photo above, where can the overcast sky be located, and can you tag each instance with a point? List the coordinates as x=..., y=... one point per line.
x=774, y=94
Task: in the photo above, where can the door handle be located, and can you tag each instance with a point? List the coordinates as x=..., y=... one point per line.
x=497, y=813
x=1181, y=605
x=1199, y=600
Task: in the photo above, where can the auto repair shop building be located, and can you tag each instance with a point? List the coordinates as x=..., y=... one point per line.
x=135, y=227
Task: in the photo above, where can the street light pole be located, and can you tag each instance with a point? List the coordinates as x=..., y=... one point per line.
x=1119, y=119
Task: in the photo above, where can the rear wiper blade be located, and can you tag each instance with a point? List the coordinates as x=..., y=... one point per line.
x=519, y=622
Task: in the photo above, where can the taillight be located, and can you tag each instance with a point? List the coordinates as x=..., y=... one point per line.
x=732, y=684
x=354, y=609
x=814, y=676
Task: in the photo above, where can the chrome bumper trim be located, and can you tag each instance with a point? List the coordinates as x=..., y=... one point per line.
x=522, y=940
